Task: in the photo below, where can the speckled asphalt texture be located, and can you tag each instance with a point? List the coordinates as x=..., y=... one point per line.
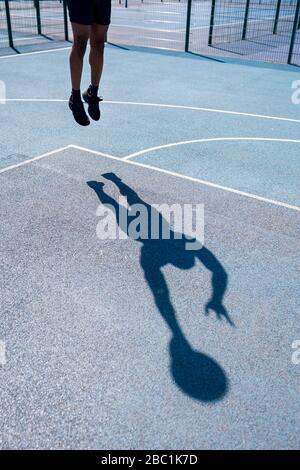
x=101, y=353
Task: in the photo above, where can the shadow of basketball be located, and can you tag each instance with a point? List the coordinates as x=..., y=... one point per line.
x=195, y=373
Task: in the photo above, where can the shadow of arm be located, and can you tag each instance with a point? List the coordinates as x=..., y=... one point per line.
x=219, y=284
x=125, y=190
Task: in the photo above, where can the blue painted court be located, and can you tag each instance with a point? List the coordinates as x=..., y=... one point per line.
x=108, y=342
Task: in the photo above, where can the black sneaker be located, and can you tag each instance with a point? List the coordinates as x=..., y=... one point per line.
x=78, y=111
x=93, y=102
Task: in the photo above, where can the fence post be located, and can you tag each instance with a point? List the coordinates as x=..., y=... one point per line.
x=212, y=22
x=188, y=25
x=65, y=8
x=9, y=29
x=295, y=27
x=277, y=16
x=38, y=16
x=246, y=19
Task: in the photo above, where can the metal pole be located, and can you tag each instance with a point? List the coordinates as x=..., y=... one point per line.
x=66, y=20
x=188, y=26
x=212, y=22
x=246, y=19
x=277, y=16
x=9, y=29
x=38, y=16
x=295, y=27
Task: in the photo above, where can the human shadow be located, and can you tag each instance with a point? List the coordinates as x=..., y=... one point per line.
x=195, y=373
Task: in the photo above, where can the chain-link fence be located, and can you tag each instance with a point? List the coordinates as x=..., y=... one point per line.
x=4, y=40
x=28, y=22
x=266, y=30
x=257, y=29
x=150, y=23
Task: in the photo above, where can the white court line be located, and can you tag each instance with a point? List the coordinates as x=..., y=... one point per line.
x=200, y=141
x=239, y=22
x=37, y=100
x=48, y=154
x=145, y=28
x=168, y=12
x=160, y=105
x=35, y=52
x=34, y=159
x=164, y=21
x=27, y=38
x=194, y=180
x=150, y=167
x=163, y=39
x=209, y=110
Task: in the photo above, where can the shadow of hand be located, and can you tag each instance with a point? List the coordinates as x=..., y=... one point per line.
x=219, y=309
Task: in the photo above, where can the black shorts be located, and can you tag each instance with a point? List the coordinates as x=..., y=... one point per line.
x=90, y=12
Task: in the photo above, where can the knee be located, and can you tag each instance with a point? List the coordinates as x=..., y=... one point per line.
x=98, y=44
x=79, y=45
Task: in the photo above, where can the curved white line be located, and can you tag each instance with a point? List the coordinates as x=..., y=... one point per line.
x=208, y=110
x=216, y=139
x=161, y=105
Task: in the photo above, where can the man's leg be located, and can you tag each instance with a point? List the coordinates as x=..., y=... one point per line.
x=97, y=42
x=81, y=35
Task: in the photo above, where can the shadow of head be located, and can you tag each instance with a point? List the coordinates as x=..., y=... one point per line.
x=197, y=374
